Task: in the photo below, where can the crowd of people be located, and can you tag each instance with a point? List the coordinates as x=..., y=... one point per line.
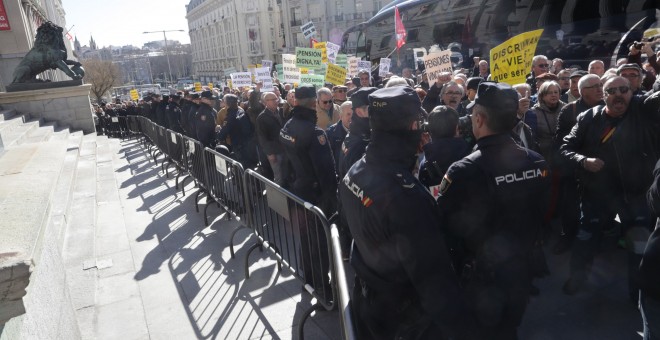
x=445, y=193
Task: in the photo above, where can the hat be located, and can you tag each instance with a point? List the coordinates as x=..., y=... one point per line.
x=305, y=92
x=394, y=108
x=578, y=73
x=194, y=95
x=361, y=96
x=498, y=96
x=473, y=83
x=208, y=95
x=628, y=66
x=547, y=76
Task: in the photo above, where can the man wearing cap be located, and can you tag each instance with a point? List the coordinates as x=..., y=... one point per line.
x=339, y=94
x=485, y=204
x=269, y=124
x=314, y=176
x=615, y=147
x=573, y=91
x=633, y=73
x=205, y=120
x=405, y=285
x=188, y=116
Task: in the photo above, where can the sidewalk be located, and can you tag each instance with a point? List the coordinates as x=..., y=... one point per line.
x=172, y=278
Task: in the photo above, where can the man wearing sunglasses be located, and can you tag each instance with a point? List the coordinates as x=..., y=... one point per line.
x=615, y=148
x=327, y=112
x=540, y=65
x=339, y=94
x=633, y=73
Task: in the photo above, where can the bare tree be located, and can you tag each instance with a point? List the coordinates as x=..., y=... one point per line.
x=102, y=75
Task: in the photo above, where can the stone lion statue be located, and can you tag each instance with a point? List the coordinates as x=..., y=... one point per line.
x=49, y=52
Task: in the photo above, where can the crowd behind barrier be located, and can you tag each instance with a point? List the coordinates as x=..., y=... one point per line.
x=280, y=221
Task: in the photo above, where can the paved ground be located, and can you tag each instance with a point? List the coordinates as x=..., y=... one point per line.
x=173, y=278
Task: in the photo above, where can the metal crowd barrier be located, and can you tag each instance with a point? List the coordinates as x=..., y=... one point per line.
x=196, y=165
x=225, y=185
x=296, y=232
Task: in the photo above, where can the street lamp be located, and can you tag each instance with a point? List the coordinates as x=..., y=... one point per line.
x=167, y=54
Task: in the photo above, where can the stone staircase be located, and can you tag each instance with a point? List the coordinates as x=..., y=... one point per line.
x=53, y=185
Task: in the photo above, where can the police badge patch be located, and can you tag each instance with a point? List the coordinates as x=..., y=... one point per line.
x=444, y=185
x=322, y=139
x=202, y=117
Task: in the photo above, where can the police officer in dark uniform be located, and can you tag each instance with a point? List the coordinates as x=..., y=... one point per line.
x=493, y=202
x=314, y=177
x=359, y=131
x=188, y=115
x=405, y=286
x=205, y=120
x=173, y=114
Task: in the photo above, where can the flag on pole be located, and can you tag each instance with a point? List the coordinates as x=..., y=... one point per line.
x=467, y=31
x=399, y=29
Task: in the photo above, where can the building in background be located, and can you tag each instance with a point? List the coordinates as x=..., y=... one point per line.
x=18, y=30
x=231, y=34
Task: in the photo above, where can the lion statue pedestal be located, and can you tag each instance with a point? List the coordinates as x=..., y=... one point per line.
x=64, y=102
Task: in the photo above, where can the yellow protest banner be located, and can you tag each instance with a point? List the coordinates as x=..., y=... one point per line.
x=198, y=87
x=304, y=70
x=324, y=51
x=651, y=32
x=335, y=75
x=210, y=86
x=511, y=61
x=134, y=94
x=231, y=86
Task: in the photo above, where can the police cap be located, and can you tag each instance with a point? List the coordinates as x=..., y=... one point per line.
x=473, y=83
x=500, y=98
x=361, y=96
x=305, y=92
x=578, y=73
x=194, y=95
x=208, y=95
x=394, y=108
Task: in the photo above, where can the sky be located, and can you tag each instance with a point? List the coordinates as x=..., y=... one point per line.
x=121, y=22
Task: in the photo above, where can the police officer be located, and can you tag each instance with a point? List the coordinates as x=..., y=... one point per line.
x=405, y=286
x=486, y=206
x=359, y=131
x=188, y=115
x=314, y=178
x=205, y=120
x=173, y=114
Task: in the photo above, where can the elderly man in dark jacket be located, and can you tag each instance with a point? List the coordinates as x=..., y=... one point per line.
x=615, y=146
x=269, y=124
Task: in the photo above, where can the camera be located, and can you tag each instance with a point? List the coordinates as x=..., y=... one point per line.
x=638, y=45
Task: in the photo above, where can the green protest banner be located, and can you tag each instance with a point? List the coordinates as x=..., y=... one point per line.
x=280, y=72
x=342, y=60
x=309, y=57
x=318, y=80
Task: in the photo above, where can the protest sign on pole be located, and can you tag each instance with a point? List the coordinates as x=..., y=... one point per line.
x=241, y=79
x=511, y=61
x=134, y=94
x=318, y=80
x=308, y=30
x=384, y=66
x=353, y=65
x=267, y=63
x=263, y=76
x=341, y=60
x=324, y=51
x=364, y=65
x=308, y=57
x=333, y=50
x=198, y=87
x=335, y=75
x=290, y=72
x=436, y=63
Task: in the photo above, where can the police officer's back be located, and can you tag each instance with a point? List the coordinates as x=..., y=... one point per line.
x=307, y=148
x=359, y=131
x=205, y=120
x=405, y=285
x=493, y=202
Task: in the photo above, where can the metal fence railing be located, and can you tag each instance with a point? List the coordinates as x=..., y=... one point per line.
x=296, y=232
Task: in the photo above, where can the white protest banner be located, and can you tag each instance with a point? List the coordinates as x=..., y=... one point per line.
x=290, y=73
x=419, y=54
x=263, y=75
x=241, y=79
x=436, y=63
x=333, y=50
x=353, y=65
x=308, y=30
x=267, y=63
x=364, y=65
x=384, y=66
